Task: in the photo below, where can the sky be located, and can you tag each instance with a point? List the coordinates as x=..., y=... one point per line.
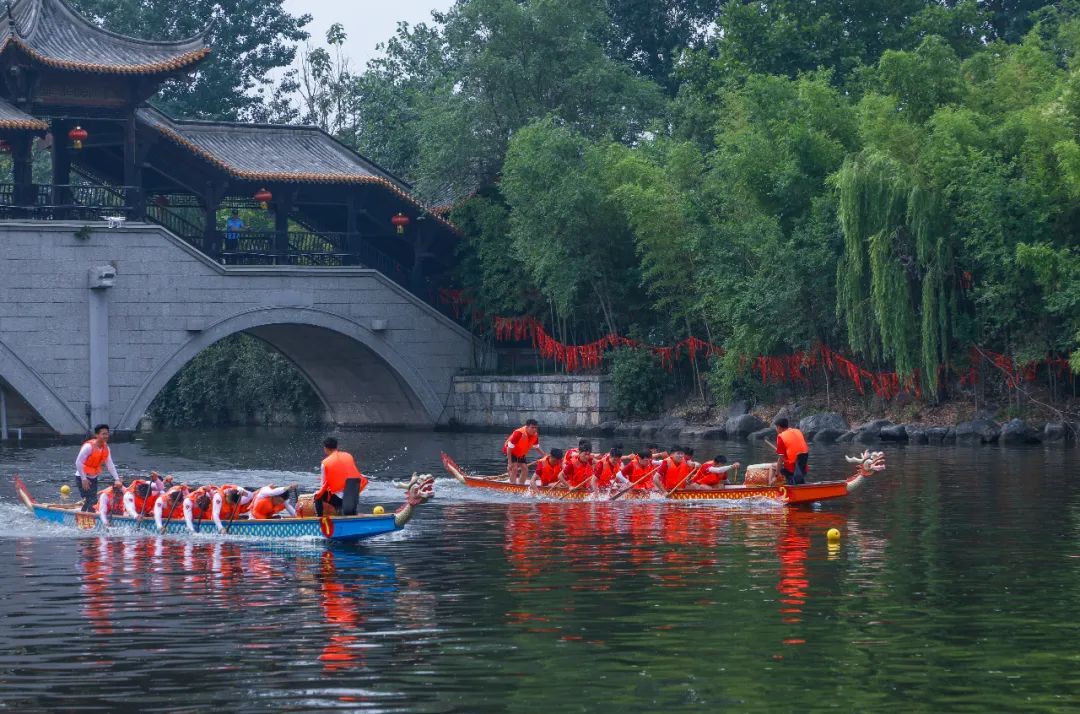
x=367, y=22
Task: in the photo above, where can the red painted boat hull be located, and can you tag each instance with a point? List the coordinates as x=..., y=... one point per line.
x=788, y=495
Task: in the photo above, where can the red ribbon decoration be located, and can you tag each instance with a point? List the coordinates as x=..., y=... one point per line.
x=771, y=369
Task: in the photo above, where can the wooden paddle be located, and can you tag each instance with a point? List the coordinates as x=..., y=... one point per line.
x=146, y=498
x=236, y=510
x=165, y=528
x=680, y=483
x=632, y=486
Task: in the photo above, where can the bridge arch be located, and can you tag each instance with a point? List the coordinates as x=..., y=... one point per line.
x=29, y=385
x=360, y=377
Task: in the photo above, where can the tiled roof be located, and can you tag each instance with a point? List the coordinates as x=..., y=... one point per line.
x=55, y=35
x=276, y=153
x=14, y=118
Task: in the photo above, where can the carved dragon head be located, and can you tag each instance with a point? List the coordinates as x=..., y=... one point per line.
x=419, y=488
x=869, y=462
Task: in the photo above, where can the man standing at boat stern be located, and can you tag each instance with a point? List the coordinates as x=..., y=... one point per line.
x=793, y=451
x=92, y=456
x=517, y=447
x=337, y=467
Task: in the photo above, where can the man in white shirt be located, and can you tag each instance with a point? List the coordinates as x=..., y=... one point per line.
x=93, y=455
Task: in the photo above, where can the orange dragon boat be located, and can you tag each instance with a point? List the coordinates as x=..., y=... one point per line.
x=762, y=482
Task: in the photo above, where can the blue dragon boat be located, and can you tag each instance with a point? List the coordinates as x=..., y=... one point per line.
x=340, y=529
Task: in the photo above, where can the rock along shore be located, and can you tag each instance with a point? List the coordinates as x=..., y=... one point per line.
x=831, y=427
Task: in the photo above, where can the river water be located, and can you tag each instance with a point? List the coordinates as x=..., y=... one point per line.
x=954, y=588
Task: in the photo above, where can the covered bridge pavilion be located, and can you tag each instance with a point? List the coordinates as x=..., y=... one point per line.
x=80, y=92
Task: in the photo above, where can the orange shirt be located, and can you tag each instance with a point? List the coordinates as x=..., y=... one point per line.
x=707, y=478
x=605, y=471
x=337, y=467
x=674, y=473
x=634, y=472
x=789, y=444
x=521, y=443
x=548, y=472
x=265, y=508
x=577, y=471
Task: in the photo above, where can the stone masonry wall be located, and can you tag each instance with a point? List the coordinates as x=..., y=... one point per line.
x=557, y=402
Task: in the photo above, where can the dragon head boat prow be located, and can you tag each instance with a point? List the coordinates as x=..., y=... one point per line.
x=869, y=462
x=418, y=489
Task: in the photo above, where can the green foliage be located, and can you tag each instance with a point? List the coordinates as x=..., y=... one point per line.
x=250, y=39
x=638, y=383
x=238, y=380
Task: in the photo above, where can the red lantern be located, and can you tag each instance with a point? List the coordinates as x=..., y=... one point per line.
x=400, y=221
x=263, y=197
x=77, y=135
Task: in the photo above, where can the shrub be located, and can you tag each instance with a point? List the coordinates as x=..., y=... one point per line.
x=638, y=383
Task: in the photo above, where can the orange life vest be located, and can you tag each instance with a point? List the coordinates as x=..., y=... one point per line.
x=548, y=472
x=116, y=500
x=142, y=505
x=524, y=443
x=675, y=473
x=173, y=509
x=708, y=478
x=228, y=508
x=578, y=471
x=605, y=471
x=197, y=512
x=634, y=471
x=789, y=444
x=96, y=459
x=338, y=467
x=265, y=508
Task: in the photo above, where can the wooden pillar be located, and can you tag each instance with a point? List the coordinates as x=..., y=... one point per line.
x=133, y=176
x=351, y=239
x=420, y=245
x=22, y=174
x=61, y=162
x=211, y=201
x=283, y=201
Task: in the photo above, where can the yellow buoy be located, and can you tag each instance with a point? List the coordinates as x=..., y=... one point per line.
x=65, y=490
x=378, y=510
x=833, y=534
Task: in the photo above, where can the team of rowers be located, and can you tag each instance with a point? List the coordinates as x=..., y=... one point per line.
x=164, y=500
x=578, y=468
x=666, y=471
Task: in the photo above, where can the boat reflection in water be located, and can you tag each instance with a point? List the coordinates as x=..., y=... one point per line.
x=256, y=592
x=657, y=558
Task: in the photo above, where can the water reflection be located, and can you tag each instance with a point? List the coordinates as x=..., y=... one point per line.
x=245, y=583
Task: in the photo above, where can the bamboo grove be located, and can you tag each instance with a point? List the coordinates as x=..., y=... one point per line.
x=899, y=179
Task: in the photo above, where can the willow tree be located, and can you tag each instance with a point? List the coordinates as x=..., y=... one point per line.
x=895, y=278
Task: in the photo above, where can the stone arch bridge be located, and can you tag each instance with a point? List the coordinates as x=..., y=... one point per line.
x=78, y=347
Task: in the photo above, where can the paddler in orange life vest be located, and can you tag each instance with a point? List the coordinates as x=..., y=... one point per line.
x=270, y=501
x=673, y=470
x=197, y=506
x=517, y=447
x=712, y=474
x=635, y=471
x=93, y=455
x=337, y=467
x=607, y=466
x=578, y=467
x=793, y=451
x=548, y=469
x=140, y=495
x=170, y=504
x=228, y=499
x=110, y=501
